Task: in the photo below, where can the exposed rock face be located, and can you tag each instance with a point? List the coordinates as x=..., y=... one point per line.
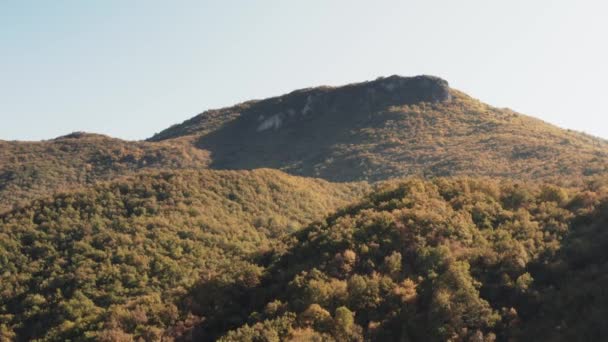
x=408, y=90
x=382, y=92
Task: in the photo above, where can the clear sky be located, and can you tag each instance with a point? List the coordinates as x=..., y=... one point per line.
x=132, y=68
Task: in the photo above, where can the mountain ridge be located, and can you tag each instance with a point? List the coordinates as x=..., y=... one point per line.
x=369, y=131
x=412, y=89
x=31, y=169
x=364, y=131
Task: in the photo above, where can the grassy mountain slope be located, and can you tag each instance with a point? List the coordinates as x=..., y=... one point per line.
x=33, y=169
x=391, y=127
x=116, y=260
x=453, y=259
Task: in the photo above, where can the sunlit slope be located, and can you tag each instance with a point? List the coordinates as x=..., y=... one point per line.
x=78, y=265
x=33, y=169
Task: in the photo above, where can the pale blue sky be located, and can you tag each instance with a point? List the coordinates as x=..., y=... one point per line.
x=132, y=68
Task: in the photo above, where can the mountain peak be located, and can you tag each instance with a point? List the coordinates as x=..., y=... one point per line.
x=399, y=89
x=424, y=88
x=384, y=128
x=272, y=113
x=381, y=93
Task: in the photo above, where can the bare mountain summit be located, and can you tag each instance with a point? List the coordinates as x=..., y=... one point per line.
x=390, y=127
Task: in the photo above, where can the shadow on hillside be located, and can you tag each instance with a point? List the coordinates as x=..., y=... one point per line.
x=570, y=290
x=298, y=132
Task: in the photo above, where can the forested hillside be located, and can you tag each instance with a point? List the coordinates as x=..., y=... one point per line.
x=447, y=260
x=205, y=256
x=29, y=170
x=116, y=261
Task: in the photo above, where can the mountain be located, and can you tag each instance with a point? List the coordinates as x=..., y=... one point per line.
x=33, y=169
x=391, y=127
x=466, y=223
x=119, y=257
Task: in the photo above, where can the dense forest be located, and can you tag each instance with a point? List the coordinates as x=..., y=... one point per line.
x=185, y=256
x=432, y=217
x=443, y=260
x=118, y=259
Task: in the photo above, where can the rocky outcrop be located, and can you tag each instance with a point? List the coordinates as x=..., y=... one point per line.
x=382, y=92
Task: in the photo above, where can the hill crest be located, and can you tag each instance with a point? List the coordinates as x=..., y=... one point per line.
x=390, y=127
x=275, y=112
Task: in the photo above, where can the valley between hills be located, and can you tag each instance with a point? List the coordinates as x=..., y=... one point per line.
x=397, y=209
